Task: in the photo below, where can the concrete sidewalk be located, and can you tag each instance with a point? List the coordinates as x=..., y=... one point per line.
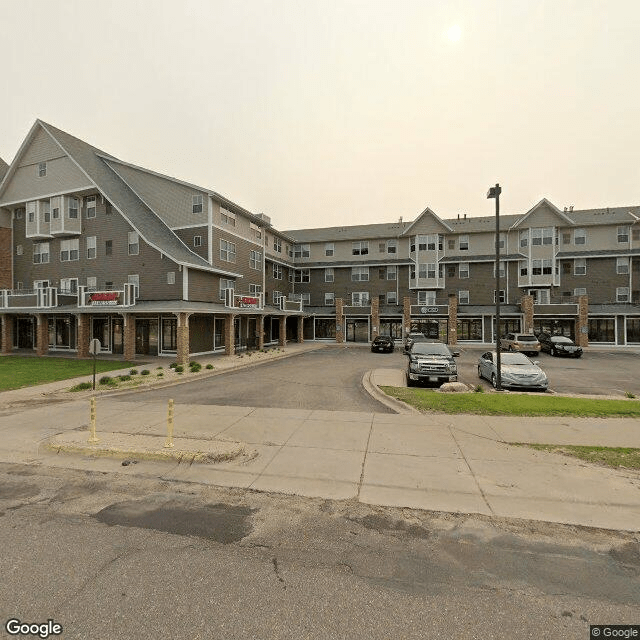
x=435, y=462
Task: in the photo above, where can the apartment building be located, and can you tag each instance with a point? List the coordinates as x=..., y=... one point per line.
x=564, y=271
x=95, y=247
x=147, y=264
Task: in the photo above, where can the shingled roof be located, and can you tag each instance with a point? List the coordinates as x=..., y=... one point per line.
x=4, y=167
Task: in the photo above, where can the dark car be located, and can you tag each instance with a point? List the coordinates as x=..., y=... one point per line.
x=383, y=343
x=431, y=362
x=412, y=338
x=559, y=345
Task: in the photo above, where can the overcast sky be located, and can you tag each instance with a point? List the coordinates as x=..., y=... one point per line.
x=330, y=112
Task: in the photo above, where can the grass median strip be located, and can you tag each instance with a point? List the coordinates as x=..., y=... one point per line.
x=514, y=404
x=17, y=371
x=614, y=457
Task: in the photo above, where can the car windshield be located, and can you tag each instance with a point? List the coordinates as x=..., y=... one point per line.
x=514, y=358
x=561, y=340
x=433, y=348
x=527, y=338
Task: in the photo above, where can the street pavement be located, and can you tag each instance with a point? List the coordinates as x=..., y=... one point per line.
x=461, y=463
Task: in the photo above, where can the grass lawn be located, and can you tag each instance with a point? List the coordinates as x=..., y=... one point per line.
x=614, y=457
x=513, y=404
x=17, y=371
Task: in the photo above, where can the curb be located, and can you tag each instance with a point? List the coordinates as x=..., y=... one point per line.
x=398, y=406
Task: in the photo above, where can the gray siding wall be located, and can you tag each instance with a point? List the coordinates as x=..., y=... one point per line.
x=203, y=286
x=241, y=263
x=187, y=235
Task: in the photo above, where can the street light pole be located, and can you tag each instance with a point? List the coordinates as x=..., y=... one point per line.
x=494, y=192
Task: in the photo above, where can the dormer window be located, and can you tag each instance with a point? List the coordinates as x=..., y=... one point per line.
x=196, y=203
x=91, y=206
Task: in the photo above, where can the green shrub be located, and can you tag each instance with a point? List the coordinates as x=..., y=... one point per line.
x=209, y=366
x=179, y=368
x=195, y=367
x=145, y=372
x=124, y=378
x=160, y=374
x=82, y=386
x=133, y=372
x=106, y=380
x=628, y=394
x=173, y=365
x=478, y=389
x=159, y=367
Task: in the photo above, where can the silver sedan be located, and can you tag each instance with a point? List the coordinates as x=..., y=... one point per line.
x=516, y=369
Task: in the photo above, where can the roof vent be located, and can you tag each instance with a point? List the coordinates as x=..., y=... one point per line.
x=400, y=220
x=571, y=208
x=465, y=215
x=565, y=209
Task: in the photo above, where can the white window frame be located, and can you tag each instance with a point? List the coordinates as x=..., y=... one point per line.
x=134, y=279
x=392, y=246
x=133, y=243
x=392, y=272
x=42, y=170
x=255, y=260
x=197, y=241
x=463, y=297
x=392, y=297
x=227, y=251
x=223, y=285
x=197, y=203
x=329, y=299
x=622, y=233
x=277, y=244
x=463, y=270
x=19, y=250
x=427, y=298
x=503, y=297
x=524, y=238
x=329, y=275
x=92, y=283
x=360, y=299
x=463, y=243
x=302, y=250
x=579, y=236
x=171, y=277
x=359, y=274
x=91, y=206
x=73, y=208
x=579, y=266
x=275, y=296
x=302, y=275
x=622, y=266
x=69, y=250
x=69, y=285
x=360, y=248
x=329, y=249
x=622, y=294
x=255, y=289
x=503, y=269
x=92, y=251
x=227, y=217
x=580, y=291
x=40, y=250
x=278, y=272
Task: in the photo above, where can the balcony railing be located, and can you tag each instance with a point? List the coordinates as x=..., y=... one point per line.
x=42, y=298
x=236, y=300
x=125, y=297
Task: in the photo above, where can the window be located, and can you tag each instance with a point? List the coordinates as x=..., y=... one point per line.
x=256, y=231
x=566, y=267
x=171, y=277
x=392, y=298
x=224, y=285
x=463, y=270
x=566, y=238
x=277, y=271
x=464, y=243
x=580, y=291
x=463, y=297
x=392, y=246
x=502, y=269
x=359, y=274
x=329, y=299
x=547, y=267
x=524, y=238
x=382, y=273
x=19, y=250
x=541, y=235
x=197, y=241
x=302, y=275
x=623, y=234
x=276, y=295
x=135, y=280
x=69, y=285
x=305, y=297
x=301, y=251
x=227, y=251
x=41, y=253
x=42, y=169
x=31, y=211
x=382, y=247
x=18, y=213
x=579, y=236
x=91, y=206
x=107, y=208
x=635, y=234
x=502, y=241
x=277, y=244
x=227, y=217
x=392, y=273
x=427, y=270
x=451, y=271
x=196, y=203
x=255, y=260
x=108, y=286
x=46, y=209
x=55, y=207
x=40, y=284
x=524, y=268
x=328, y=274
x=329, y=249
x=91, y=247
x=451, y=243
x=359, y=298
x=92, y=283
x=134, y=246
x=622, y=294
x=69, y=250
x=502, y=298
x=360, y=248
x=108, y=247
x=536, y=267
x=427, y=297
x=580, y=267
x=72, y=208
x=622, y=265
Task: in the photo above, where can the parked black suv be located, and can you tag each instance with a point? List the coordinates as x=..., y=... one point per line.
x=431, y=362
x=383, y=343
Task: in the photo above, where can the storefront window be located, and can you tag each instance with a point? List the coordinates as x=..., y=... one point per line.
x=469, y=329
x=436, y=328
x=169, y=334
x=555, y=327
x=633, y=329
x=325, y=328
x=602, y=330
x=391, y=327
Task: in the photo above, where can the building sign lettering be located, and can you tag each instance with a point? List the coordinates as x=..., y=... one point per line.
x=104, y=298
x=247, y=301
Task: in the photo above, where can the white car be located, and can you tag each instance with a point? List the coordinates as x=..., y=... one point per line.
x=517, y=371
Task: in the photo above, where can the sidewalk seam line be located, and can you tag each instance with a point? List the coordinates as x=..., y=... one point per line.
x=364, y=459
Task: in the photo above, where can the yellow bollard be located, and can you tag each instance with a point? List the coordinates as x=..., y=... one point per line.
x=169, y=442
x=92, y=422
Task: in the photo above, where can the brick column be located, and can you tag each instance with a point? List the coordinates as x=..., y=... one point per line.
x=229, y=335
x=452, y=338
x=129, y=337
x=582, y=339
x=42, y=334
x=339, y=320
x=406, y=317
x=300, y=330
x=375, y=317
x=182, y=338
x=526, y=305
x=84, y=334
x=282, y=338
x=260, y=325
x=7, y=333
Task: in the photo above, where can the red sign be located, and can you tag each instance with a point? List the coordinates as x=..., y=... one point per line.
x=104, y=298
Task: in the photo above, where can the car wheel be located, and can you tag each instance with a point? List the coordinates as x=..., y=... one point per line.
x=494, y=381
x=510, y=347
x=479, y=372
x=409, y=381
x=579, y=355
x=553, y=351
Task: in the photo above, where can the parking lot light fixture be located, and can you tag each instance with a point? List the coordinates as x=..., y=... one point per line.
x=494, y=192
